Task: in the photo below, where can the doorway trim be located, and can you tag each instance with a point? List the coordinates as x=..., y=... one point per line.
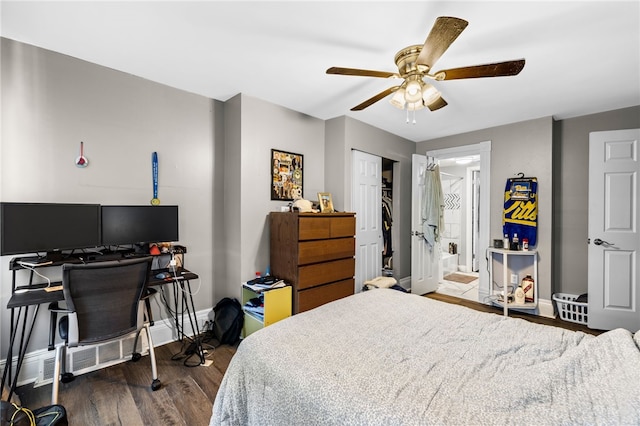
x=472, y=239
x=483, y=149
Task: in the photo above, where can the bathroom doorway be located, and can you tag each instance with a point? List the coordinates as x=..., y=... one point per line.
x=460, y=187
x=465, y=172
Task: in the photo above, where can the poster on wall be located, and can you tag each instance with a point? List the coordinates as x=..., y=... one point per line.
x=286, y=175
x=520, y=214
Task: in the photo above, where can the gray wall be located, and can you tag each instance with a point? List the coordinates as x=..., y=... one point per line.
x=570, y=192
x=563, y=209
x=519, y=147
x=252, y=128
x=51, y=102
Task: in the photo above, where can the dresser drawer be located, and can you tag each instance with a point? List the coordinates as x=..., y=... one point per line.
x=314, y=297
x=317, y=228
x=324, y=250
x=322, y=273
x=343, y=227
x=314, y=228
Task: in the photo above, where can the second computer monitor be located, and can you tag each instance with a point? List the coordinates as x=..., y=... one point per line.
x=139, y=224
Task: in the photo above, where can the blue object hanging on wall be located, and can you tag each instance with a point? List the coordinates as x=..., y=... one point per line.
x=520, y=215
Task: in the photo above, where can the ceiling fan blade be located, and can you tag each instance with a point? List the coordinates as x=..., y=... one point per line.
x=500, y=69
x=375, y=98
x=444, y=32
x=437, y=104
x=361, y=73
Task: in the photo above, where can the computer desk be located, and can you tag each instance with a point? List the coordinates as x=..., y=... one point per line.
x=25, y=307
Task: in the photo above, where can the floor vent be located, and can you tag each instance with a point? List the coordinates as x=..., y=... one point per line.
x=86, y=359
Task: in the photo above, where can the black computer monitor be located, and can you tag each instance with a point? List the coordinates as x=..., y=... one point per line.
x=139, y=224
x=48, y=227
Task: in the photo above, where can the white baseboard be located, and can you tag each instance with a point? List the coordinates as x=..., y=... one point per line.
x=545, y=308
x=162, y=332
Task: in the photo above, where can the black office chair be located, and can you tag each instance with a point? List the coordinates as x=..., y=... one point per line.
x=104, y=301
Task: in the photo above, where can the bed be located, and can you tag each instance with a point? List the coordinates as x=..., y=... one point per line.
x=383, y=357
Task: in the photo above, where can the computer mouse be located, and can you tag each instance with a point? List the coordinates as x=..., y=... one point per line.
x=163, y=275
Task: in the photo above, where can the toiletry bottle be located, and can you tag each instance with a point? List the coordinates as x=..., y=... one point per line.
x=515, y=242
x=525, y=244
x=505, y=242
x=527, y=286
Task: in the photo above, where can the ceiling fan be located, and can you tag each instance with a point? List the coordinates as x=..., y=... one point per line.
x=415, y=64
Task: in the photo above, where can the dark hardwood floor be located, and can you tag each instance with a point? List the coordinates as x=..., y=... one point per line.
x=496, y=310
x=121, y=394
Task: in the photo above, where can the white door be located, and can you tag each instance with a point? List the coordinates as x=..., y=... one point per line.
x=614, y=217
x=424, y=262
x=367, y=203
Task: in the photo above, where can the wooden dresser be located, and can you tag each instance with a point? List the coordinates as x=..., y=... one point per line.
x=314, y=252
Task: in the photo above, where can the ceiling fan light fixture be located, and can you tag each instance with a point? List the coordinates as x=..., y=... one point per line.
x=397, y=100
x=413, y=92
x=430, y=94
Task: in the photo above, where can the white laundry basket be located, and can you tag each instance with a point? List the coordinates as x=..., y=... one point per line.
x=569, y=309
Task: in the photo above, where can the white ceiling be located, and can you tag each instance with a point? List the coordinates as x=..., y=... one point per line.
x=581, y=57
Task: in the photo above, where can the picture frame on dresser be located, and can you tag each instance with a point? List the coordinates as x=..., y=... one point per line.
x=326, y=202
x=286, y=175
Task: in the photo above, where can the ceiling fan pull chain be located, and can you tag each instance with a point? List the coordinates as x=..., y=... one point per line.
x=414, y=116
x=407, y=115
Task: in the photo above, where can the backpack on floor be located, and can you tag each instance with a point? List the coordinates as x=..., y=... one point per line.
x=227, y=321
x=15, y=415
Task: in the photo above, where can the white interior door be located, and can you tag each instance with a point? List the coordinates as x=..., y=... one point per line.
x=367, y=203
x=614, y=213
x=424, y=262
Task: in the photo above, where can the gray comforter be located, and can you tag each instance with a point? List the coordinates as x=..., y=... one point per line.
x=383, y=357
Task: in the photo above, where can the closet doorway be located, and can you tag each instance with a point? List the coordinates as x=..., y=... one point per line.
x=387, y=217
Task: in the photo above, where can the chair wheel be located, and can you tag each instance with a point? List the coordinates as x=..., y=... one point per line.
x=67, y=377
x=155, y=385
x=135, y=356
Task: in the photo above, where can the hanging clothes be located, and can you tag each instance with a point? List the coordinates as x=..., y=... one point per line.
x=432, y=206
x=387, y=221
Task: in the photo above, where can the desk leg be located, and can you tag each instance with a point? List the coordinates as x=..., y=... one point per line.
x=193, y=320
x=176, y=291
x=6, y=375
x=25, y=337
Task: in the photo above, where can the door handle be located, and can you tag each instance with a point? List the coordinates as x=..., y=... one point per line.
x=417, y=234
x=599, y=242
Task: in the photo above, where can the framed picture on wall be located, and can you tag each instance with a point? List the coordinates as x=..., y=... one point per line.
x=286, y=175
x=326, y=202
